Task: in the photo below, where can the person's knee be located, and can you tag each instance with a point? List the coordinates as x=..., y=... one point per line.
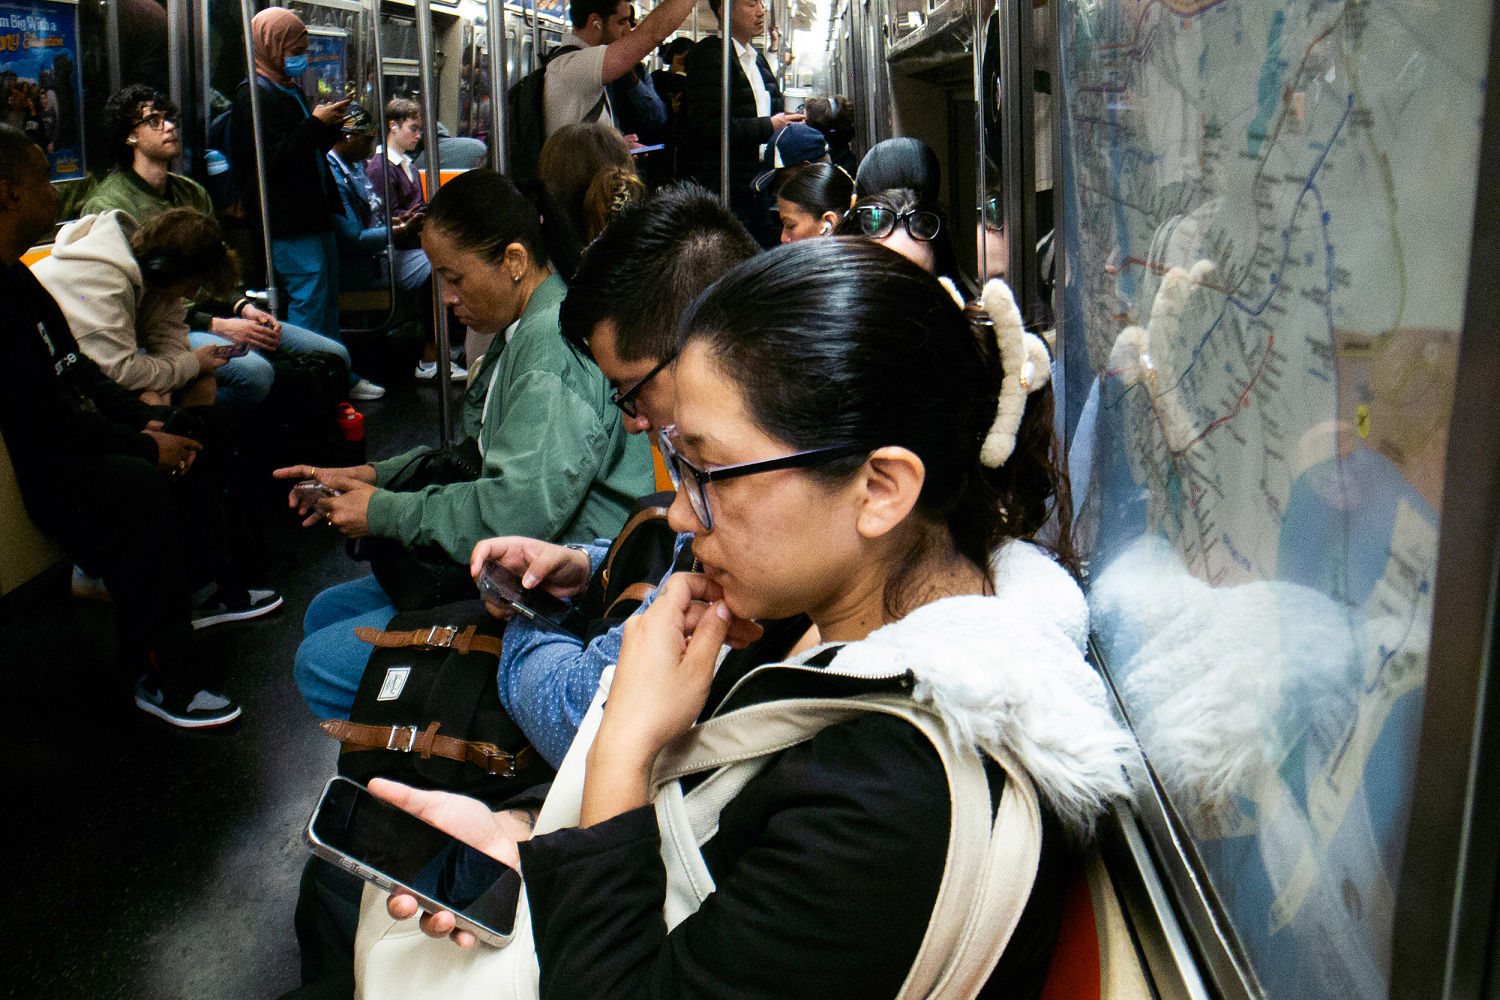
x=245, y=382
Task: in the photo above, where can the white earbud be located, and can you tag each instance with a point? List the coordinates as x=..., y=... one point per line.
x=827, y=228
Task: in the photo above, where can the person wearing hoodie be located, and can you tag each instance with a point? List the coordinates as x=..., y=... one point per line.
x=851, y=445
x=122, y=288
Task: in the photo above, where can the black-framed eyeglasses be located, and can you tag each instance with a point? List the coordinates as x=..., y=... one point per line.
x=626, y=400
x=157, y=120
x=878, y=222
x=694, y=481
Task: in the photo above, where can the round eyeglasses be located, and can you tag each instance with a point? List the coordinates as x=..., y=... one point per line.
x=694, y=481
x=878, y=222
x=156, y=120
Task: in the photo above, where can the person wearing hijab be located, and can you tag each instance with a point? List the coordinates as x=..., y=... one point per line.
x=301, y=189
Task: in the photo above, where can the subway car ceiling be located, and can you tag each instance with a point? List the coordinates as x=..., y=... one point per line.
x=1263, y=237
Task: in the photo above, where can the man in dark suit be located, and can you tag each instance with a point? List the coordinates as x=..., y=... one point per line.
x=755, y=111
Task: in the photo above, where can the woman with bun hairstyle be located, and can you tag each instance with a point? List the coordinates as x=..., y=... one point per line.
x=811, y=200
x=848, y=445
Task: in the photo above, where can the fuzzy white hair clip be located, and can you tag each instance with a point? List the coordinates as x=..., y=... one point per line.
x=1027, y=367
x=1143, y=354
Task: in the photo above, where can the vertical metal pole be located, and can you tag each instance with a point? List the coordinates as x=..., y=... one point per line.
x=373, y=9
x=177, y=51
x=499, y=88
x=979, y=120
x=695, y=25
x=536, y=37
x=112, y=44
x=1018, y=156
x=727, y=54
x=247, y=11
x=434, y=178
x=205, y=73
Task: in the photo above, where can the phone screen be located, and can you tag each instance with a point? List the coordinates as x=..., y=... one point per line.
x=391, y=848
x=497, y=583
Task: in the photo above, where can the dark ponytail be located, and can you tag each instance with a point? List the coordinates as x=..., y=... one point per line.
x=842, y=342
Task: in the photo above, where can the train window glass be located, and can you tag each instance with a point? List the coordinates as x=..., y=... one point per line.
x=1260, y=384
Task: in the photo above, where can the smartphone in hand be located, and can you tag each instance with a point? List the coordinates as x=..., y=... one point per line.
x=392, y=849
x=500, y=585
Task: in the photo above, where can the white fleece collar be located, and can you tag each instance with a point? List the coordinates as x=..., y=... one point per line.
x=1007, y=672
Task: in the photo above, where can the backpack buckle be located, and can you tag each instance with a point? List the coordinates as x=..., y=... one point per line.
x=440, y=637
x=411, y=739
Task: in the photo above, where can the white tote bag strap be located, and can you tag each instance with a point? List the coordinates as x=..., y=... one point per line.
x=394, y=960
x=989, y=868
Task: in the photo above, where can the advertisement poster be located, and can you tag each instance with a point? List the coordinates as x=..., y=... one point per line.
x=40, y=79
x=327, y=64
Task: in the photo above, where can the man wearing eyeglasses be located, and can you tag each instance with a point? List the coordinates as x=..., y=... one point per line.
x=140, y=126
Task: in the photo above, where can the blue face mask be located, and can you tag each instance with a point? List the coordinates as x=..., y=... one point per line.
x=295, y=66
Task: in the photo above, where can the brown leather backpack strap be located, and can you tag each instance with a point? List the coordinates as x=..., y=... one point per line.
x=436, y=637
x=636, y=592
x=639, y=518
x=429, y=743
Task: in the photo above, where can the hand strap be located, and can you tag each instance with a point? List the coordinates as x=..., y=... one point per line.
x=436, y=637
x=408, y=739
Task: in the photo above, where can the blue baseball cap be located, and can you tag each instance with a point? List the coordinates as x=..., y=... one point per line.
x=790, y=146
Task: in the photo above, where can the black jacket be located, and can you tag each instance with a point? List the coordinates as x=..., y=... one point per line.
x=57, y=403
x=303, y=195
x=826, y=868
x=699, y=155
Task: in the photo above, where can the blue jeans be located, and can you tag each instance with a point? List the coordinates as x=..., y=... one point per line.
x=331, y=660
x=246, y=381
x=308, y=269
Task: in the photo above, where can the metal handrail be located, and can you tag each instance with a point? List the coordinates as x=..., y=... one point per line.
x=247, y=12
x=728, y=39
x=434, y=178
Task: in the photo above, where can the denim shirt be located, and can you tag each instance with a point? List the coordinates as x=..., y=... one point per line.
x=547, y=679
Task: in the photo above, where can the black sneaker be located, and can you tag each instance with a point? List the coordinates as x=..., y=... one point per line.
x=197, y=711
x=246, y=604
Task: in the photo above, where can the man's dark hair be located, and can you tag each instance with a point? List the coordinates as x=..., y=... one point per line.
x=14, y=152
x=717, y=6
x=580, y=10
x=122, y=112
x=648, y=265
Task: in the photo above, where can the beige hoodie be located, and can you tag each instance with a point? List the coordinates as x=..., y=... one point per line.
x=137, y=337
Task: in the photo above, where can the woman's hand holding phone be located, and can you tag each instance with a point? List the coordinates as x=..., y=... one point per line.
x=469, y=820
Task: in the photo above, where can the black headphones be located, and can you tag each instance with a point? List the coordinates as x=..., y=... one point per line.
x=167, y=267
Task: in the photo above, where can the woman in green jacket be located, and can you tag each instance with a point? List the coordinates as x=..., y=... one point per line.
x=557, y=463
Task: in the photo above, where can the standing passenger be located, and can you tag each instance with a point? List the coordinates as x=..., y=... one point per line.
x=755, y=112
x=301, y=188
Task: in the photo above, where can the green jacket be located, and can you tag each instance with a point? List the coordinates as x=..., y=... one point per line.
x=558, y=464
x=124, y=189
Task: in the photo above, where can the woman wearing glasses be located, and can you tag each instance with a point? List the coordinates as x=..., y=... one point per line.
x=556, y=464
x=898, y=219
x=848, y=445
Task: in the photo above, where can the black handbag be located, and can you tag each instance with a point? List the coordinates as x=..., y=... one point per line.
x=423, y=576
x=428, y=713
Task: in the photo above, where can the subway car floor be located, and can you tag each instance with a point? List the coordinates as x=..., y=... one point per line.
x=148, y=861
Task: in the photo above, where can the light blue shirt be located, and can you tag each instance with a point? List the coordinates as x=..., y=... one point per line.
x=547, y=680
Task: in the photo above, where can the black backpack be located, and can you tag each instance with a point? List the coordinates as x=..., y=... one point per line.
x=224, y=187
x=527, y=130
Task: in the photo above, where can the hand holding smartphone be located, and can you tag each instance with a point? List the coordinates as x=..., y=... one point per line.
x=501, y=586
x=394, y=850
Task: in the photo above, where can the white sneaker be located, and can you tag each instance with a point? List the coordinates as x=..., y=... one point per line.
x=364, y=389
x=427, y=370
